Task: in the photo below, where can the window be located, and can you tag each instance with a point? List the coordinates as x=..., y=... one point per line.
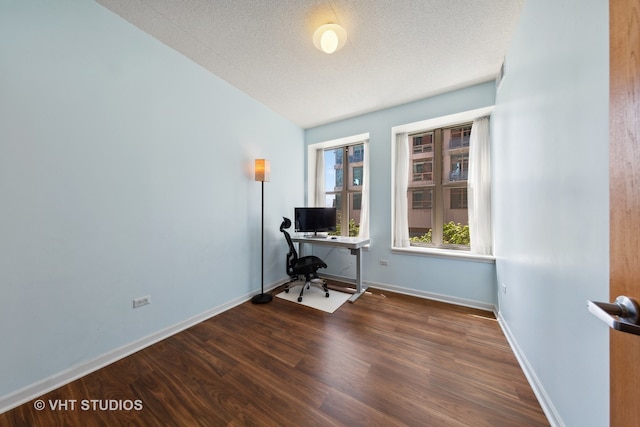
x=458, y=198
x=422, y=170
x=437, y=187
x=357, y=175
x=421, y=199
x=460, y=137
x=338, y=173
x=423, y=143
x=441, y=189
x=345, y=165
x=337, y=176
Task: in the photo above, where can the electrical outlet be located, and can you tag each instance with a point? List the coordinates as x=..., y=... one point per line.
x=384, y=262
x=139, y=302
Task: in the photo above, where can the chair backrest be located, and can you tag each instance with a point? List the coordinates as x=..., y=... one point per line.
x=292, y=256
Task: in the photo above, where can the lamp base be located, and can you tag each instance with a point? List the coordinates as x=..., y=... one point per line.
x=261, y=298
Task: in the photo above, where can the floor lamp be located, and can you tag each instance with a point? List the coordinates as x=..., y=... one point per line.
x=262, y=174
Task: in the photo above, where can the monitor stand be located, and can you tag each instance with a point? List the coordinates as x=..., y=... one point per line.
x=315, y=235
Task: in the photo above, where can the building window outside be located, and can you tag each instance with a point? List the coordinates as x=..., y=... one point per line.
x=423, y=169
x=458, y=198
x=460, y=137
x=422, y=143
x=345, y=165
x=338, y=179
x=421, y=199
x=357, y=174
x=437, y=188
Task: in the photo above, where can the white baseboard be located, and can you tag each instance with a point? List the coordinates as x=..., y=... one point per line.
x=32, y=391
x=421, y=294
x=544, y=400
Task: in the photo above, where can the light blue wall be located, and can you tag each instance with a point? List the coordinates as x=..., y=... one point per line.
x=550, y=134
x=456, y=279
x=125, y=170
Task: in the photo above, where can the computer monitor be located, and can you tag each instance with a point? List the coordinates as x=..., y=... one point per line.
x=314, y=220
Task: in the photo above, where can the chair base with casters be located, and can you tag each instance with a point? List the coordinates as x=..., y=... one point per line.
x=306, y=266
x=315, y=281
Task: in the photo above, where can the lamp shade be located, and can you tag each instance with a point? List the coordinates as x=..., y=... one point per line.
x=263, y=170
x=329, y=38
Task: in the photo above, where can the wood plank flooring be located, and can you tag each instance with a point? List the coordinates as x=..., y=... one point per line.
x=386, y=360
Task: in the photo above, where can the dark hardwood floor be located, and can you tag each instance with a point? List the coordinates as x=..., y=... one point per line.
x=387, y=360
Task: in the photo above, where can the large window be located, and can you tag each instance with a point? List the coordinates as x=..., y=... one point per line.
x=437, y=187
x=344, y=178
x=338, y=176
x=441, y=186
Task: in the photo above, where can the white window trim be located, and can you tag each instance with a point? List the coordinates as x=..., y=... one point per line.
x=312, y=152
x=424, y=125
x=444, y=253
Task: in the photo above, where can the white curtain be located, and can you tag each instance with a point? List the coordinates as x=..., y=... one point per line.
x=479, y=188
x=364, y=204
x=319, y=199
x=401, y=180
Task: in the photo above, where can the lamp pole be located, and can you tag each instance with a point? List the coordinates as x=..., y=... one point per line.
x=262, y=298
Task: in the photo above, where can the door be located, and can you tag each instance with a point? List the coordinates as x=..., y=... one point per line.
x=624, y=182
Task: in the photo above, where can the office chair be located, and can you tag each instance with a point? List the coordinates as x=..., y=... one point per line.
x=307, y=266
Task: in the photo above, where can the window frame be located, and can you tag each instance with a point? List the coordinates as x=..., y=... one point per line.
x=348, y=190
x=438, y=184
x=451, y=120
x=312, y=151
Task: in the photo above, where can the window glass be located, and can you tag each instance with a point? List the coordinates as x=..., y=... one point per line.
x=423, y=170
x=345, y=165
x=333, y=170
x=421, y=199
x=437, y=188
x=356, y=178
x=455, y=154
x=422, y=143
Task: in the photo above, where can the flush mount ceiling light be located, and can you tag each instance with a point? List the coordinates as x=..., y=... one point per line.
x=329, y=38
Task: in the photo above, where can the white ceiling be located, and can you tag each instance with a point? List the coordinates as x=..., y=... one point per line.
x=397, y=50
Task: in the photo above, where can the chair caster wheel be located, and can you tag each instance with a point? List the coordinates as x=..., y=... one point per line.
x=299, y=299
x=286, y=291
x=327, y=295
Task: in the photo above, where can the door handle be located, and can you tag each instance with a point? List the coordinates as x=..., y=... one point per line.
x=622, y=315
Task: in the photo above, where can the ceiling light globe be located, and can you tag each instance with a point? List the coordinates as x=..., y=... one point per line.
x=329, y=38
x=329, y=41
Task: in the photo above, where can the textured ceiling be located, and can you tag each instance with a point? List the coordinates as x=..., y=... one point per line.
x=397, y=50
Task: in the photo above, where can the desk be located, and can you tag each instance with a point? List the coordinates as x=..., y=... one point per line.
x=354, y=244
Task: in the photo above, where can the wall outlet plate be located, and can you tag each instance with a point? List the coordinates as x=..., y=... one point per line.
x=139, y=302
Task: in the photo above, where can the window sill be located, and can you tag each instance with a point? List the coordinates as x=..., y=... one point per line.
x=444, y=253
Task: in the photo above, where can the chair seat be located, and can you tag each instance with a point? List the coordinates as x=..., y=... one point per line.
x=308, y=264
